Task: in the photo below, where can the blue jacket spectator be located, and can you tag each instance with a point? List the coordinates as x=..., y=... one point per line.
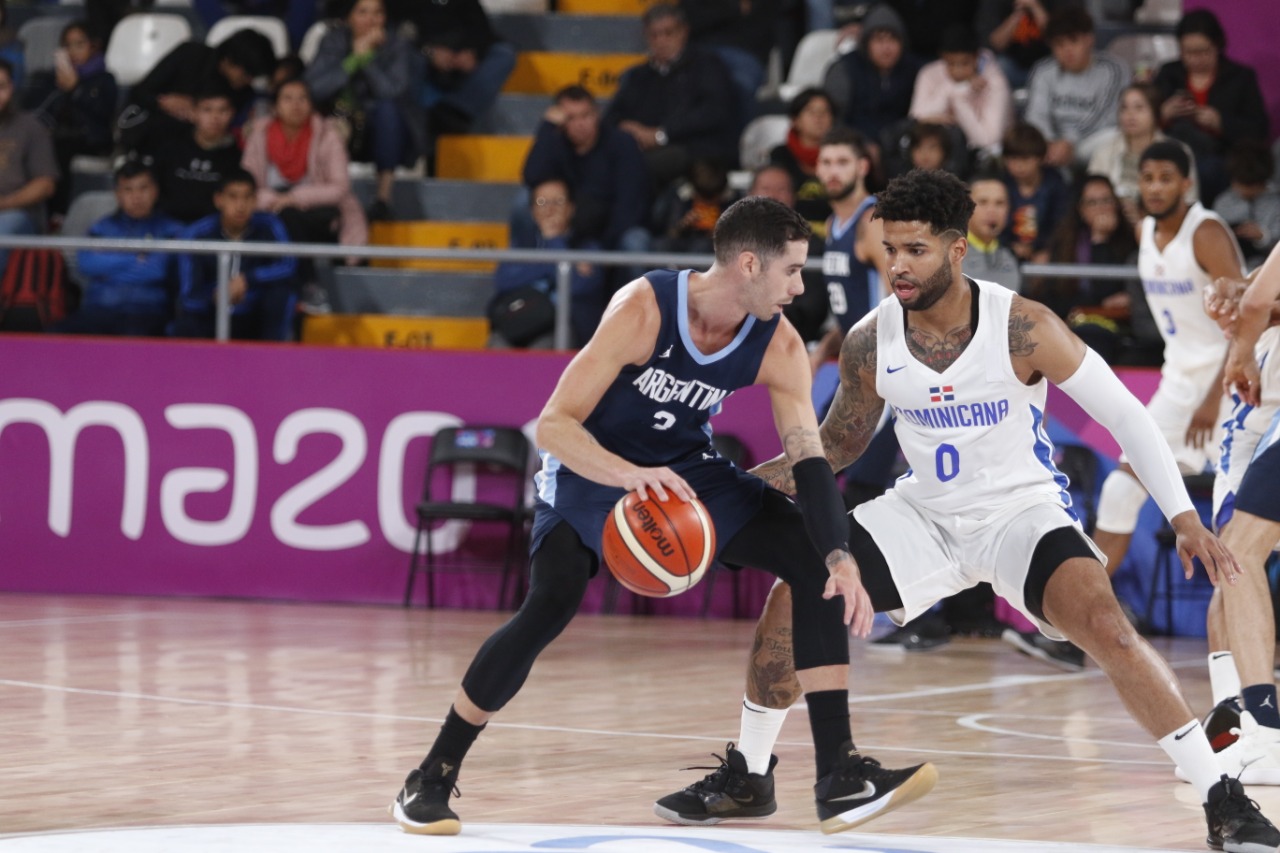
x=873, y=84
x=602, y=166
x=127, y=293
x=262, y=288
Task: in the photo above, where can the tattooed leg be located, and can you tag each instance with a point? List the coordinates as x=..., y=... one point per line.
x=771, y=672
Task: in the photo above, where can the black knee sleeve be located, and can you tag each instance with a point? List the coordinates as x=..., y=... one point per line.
x=558, y=580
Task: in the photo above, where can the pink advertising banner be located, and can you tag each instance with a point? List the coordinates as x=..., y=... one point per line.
x=257, y=471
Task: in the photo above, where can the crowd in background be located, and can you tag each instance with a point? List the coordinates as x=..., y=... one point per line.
x=1016, y=96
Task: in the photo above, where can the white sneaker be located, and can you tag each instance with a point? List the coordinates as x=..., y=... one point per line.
x=1255, y=756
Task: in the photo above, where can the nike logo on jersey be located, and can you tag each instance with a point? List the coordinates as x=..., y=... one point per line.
x=666, y=353
x=894, y=369
x=868, y=791
x=1180, y=735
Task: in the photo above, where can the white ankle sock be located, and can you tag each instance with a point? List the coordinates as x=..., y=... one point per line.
x=759, y=733
x=1224, y=679
x=1190, y=750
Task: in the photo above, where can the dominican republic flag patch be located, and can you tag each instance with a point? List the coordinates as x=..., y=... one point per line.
x=941, y=393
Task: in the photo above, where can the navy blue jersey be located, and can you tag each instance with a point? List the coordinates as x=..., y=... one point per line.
x=656, y=413
x=852, y=286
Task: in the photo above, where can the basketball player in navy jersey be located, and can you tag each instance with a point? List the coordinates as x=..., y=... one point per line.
x=631, y=412
x=964, y=365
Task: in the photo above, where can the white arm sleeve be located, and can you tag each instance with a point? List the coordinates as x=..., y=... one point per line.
x=1103, y=396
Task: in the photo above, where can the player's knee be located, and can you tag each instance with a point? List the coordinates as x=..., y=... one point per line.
x=1120, y=503
x=1109, y=630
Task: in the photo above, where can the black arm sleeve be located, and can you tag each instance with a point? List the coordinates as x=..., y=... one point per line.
x=821, y=505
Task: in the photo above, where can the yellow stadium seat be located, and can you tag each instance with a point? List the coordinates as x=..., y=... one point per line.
x=538, y=73
x=384, y=330
x=440, y=235
x=482, y=158
x=633, y=8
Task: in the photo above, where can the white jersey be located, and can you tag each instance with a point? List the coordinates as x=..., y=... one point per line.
x=1174, y=284
x=973, y=434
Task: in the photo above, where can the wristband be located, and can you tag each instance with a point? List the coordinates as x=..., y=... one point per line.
x=821, y=505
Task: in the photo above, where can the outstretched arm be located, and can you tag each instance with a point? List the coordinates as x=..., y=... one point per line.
x=1254, y=315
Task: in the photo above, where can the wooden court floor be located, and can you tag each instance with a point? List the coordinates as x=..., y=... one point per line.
x=119, y=712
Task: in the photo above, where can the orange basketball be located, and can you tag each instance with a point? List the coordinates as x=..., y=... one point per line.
x=658, y=548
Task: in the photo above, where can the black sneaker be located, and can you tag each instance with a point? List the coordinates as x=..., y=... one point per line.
x=922, y=634
x=1236, y=824
x=422, y=806
x=859, y=789
x=1222, y=724
x=729, y=792
x=1057, y=653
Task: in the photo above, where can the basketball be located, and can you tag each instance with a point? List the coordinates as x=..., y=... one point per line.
x=658, y=549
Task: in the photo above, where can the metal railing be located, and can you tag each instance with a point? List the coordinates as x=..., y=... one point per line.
x=564, y=261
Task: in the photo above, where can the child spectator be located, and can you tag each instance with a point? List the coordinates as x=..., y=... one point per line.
x=1250, y=206
x=127, y=293
x=80, y=110
x=1037, y=193
x=687, y=214
x=929, y=146
x=191, y=164
x=987, y=258
x=299, y=161
x=262, y=289
x=965, y=88
x=551, y=204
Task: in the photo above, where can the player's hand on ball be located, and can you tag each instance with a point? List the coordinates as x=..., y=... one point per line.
x=846, y=580
x=660, y=483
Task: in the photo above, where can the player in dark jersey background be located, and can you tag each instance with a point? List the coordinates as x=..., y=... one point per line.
x=631, y=412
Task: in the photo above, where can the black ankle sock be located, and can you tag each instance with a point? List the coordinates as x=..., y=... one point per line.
x=454, y=740
x=829, y=720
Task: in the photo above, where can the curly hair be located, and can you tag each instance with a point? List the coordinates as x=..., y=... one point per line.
x=933, y=196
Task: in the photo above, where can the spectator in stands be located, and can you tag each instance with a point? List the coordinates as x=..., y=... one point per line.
x=361, y=74
x=299, y=160
x=11, y=50
x=467, y=64
x=1037, y=193
x=551, y=206
x=1014, y=29
x=1250, y=206
x=965, y=88
x=602, y=166
x=1210, y=101
x=298, y=15
x=674, y=105
x=1118, y=149
x=1073, y=95
x=162, y=105
x=128, y=293
x=812, y=116
x=927, y=20
x=1093, y=232
x=80, y=110
x=929, y=146
x=988, y=258
x=873, y=84
x=686, y=213
x=262, y=289
x=742, y=35
x=192, y=164
x=28, y=170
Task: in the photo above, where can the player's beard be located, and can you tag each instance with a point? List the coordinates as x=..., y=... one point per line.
x=844, y=192
x=929, y=291
x=1169, y=210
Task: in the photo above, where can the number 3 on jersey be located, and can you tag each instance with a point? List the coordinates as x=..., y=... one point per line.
x=947, y=460
x=665, y=420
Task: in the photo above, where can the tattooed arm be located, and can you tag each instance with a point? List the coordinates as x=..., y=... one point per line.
x=1040, y=344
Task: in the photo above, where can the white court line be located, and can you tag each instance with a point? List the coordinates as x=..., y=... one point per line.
x=973, y=722
x=368, y=715
x=79, y=620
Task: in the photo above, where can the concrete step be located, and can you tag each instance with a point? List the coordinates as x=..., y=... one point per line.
x=364, y=290
x=572, y=33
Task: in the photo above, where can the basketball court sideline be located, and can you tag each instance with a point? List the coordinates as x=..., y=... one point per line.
x=149, y=724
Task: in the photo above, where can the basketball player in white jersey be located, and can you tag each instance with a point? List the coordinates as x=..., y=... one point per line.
x=964, y=366
x=1183, y=248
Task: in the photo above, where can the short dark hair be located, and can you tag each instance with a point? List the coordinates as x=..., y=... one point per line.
x=250, y=50
x=922, y=130
x=1168, y=151
x=291, y=81
x=214, y=87
x=238, y=175
x=658, y=11
x=1204, y=23
x=1250, y=162
x=759, y=225
x=1024, y=140
x=94, y=37
x=846, y=136
x=959, y=38
x=805, y=96
x=573, y=93
x=933, y=196
x=1068, y=22
x=132, y=168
